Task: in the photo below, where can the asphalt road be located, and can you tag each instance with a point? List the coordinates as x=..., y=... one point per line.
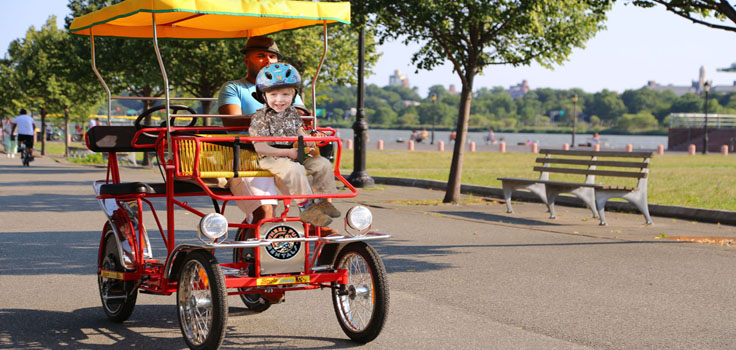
x=463, y=276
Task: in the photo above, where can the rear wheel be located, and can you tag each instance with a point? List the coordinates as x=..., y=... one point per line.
x=362, y=307
x=254, y=301
x=202, y=301
x=118, y=296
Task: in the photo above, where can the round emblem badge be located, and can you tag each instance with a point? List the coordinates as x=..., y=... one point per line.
x=283, y=250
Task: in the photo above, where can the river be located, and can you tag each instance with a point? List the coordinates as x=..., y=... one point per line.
x=639, y=142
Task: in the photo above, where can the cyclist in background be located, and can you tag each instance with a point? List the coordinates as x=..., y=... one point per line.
x=26, y=127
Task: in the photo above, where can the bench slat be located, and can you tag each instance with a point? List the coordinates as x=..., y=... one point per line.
x=598, y=153
x=591, y=172
x=640, y=165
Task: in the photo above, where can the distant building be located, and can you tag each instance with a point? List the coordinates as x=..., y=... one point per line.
x=696, y=86
x=519, y=90
x=452, y=91
x=398, y=79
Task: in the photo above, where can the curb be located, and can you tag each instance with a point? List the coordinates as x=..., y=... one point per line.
x=687, y=213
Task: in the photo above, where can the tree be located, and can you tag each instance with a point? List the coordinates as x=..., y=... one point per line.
x=476, y=34
x=46, y=76
x=710, y=13
x=607, y=105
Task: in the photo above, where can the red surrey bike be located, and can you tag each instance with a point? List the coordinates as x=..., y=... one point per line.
x=283, y=254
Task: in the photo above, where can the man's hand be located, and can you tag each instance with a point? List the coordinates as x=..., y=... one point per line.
x=292, y=153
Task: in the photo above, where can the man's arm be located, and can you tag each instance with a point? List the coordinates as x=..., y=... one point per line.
x=231, y=109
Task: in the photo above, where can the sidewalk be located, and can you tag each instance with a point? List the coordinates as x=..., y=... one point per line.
x=478, y=209
x=570, y=220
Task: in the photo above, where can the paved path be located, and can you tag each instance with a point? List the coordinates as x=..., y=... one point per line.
x=460, y=276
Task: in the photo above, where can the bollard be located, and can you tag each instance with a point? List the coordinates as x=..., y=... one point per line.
x=472, y=146
x=411, y=145
x=724, y=150
x=660, y=150
x=535, y=147
x=691, y=149
x=502, y=147
x=629, y=147
x=597, y=147
x=441, y=146
x=565, y=146
x=380, y=144
x=350, y=144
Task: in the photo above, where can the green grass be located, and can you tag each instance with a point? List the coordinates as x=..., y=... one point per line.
x=675, y=179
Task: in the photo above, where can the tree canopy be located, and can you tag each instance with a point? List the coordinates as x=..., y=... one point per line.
x=710, y=13
x=476, y=34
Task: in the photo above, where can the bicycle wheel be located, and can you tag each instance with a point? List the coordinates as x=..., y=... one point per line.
x=363, y=308
x=202, y=301
x=118, y=296
x=254, y=302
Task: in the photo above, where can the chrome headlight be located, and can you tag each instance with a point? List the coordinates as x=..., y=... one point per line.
x=358, y=220
x=212, y=226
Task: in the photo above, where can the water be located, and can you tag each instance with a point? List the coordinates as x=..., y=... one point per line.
x=639, y=142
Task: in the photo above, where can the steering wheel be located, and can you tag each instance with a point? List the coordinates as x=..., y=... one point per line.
x=174, y=108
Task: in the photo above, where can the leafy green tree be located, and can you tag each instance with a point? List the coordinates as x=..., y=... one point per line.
x=474, y=34
x=607, y=105
x=45, y=75
x=636, y=122
x=710, y=13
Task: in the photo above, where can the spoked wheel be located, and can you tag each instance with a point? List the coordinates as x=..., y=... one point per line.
x=118, y=296
x=202, y=301
x=362, y=307
x=254, y=302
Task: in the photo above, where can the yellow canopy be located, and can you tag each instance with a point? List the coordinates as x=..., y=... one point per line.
x=203, y=19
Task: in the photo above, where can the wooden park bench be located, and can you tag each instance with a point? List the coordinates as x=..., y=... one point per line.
x=587, y=163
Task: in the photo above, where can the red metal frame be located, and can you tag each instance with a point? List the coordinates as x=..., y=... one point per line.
x=151, y=272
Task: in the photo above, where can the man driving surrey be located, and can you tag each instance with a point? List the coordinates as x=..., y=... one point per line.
x=236, y=98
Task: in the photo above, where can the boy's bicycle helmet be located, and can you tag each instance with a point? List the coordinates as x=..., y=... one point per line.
x=276, y=76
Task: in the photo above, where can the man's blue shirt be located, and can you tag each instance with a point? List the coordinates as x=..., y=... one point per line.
x=240, y=92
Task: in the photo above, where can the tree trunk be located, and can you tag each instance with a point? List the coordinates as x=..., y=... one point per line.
x=452, y=194
x=66, y=132
x=147, y=121
x=206, y=110
x=43, y=130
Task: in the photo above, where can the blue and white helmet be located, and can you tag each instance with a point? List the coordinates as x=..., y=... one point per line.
x=276, y=76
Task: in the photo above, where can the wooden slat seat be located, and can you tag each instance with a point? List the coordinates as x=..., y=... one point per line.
x=594, y=195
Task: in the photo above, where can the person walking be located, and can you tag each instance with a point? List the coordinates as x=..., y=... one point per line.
x=11, y=146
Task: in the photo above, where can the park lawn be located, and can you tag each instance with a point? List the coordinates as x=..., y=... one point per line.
x=675, y=179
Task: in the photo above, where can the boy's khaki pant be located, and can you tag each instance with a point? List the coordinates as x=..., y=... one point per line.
x=291, y=177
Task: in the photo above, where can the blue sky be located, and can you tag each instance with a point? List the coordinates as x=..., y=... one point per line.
x=639, y=45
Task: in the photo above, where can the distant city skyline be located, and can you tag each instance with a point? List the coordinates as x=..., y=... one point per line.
x=640, y=45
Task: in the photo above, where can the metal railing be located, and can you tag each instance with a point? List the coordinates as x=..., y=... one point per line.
x=697, y=120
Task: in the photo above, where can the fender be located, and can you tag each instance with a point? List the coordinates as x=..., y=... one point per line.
x=119, y=219
x=173, y=261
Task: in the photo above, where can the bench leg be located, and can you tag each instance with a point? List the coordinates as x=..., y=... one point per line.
x=507, y=189
x=639, y=200
x=600, y=202
x=551, y=194
x=587, y=195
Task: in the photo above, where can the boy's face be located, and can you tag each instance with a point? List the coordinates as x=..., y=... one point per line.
x=280, y=99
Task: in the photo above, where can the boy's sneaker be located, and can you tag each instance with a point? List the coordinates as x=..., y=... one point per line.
x=312, y=215
x=328, y=209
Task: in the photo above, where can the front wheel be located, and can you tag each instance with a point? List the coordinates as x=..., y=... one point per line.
x=118, y=296
x=202, y=301
x=362, y=306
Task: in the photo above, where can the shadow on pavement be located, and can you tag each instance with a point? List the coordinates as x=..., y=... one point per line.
x=50, y=202
x=150, y=327
x=496, y=218
x=47, y=170
x=87, y=184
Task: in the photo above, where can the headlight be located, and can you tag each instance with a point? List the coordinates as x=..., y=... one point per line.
x=213, y=226
x=358, y=220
